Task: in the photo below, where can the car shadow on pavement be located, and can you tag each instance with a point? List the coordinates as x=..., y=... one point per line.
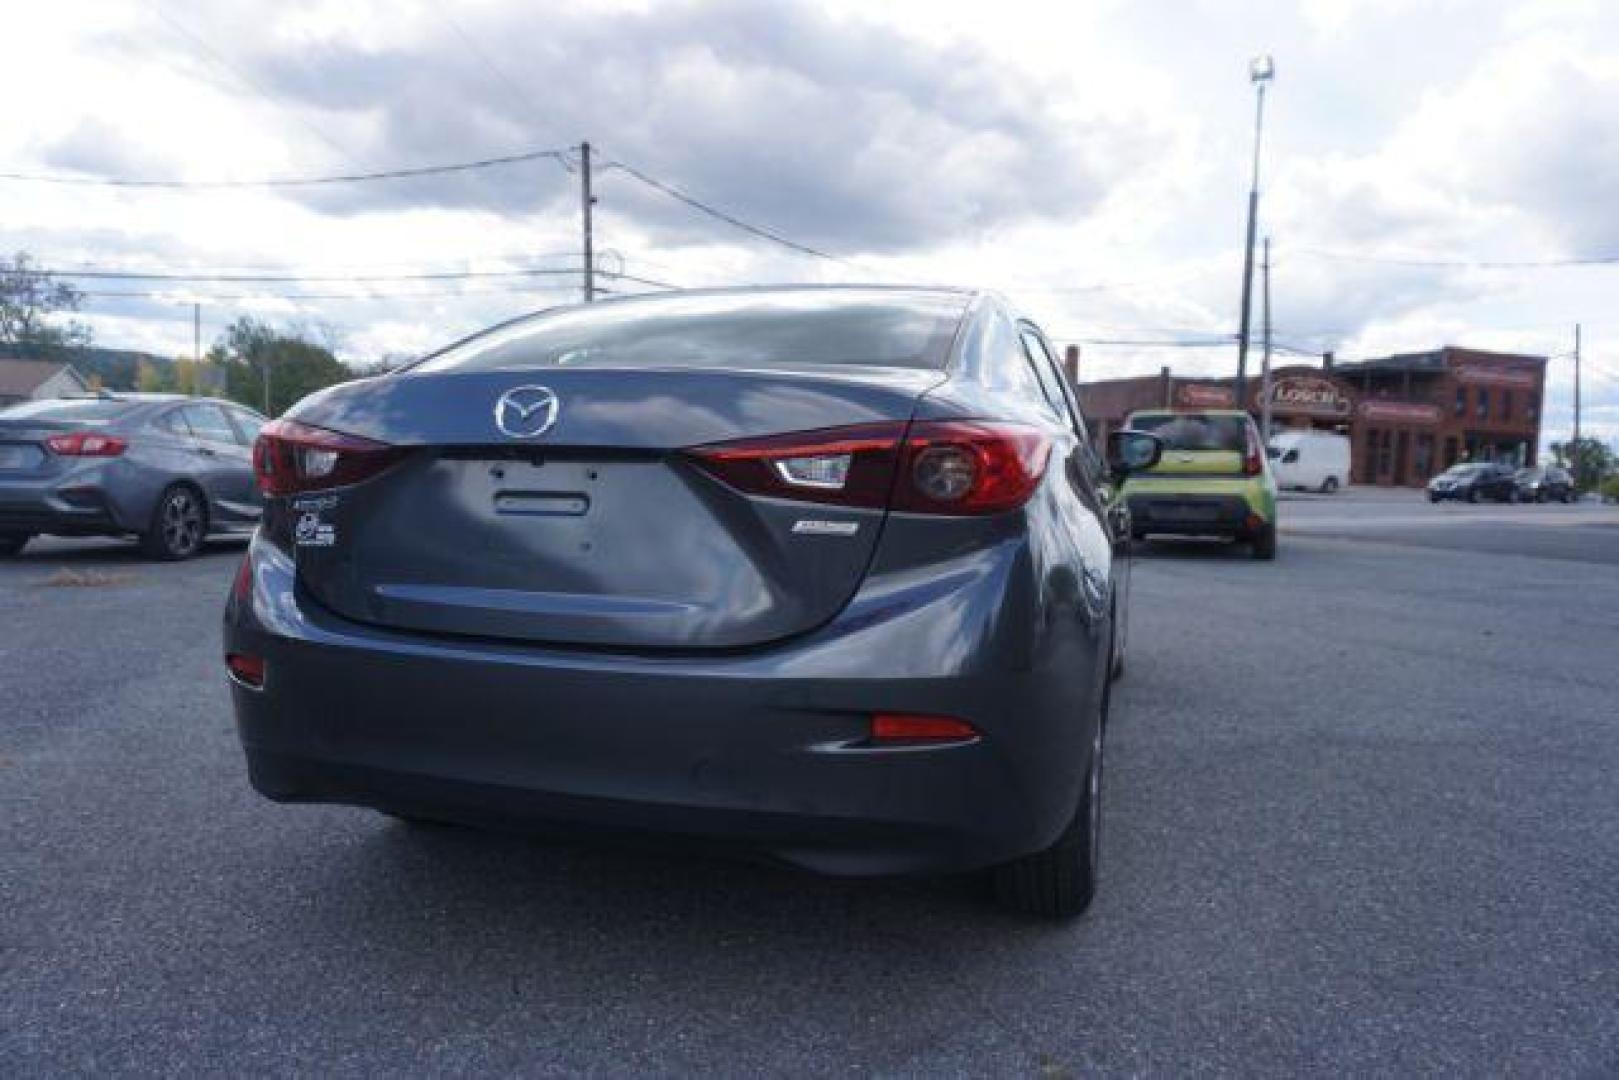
x=122, y=553
x=406, y=888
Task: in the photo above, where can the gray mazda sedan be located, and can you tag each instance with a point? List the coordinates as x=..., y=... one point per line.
x=165, y=469
x=827, y=575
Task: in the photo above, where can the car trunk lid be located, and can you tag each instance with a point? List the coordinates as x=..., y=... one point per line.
x=600, y=531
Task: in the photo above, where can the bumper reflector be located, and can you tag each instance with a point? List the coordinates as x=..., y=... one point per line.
x=904, y=727
x=245, y=669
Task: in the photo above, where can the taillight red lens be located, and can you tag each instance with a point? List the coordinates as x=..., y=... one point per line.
x=934, y=467
x=969, y=467
x=86, y=444
x=906, y=727
x=289, y=458
x=247, y=668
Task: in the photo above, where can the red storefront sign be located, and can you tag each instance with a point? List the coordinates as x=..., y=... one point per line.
x=1400, y=412
x=1307, y=395
x=1200, y=396
x=1489, y=376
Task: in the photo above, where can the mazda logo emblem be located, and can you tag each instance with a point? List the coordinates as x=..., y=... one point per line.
x=526, y=412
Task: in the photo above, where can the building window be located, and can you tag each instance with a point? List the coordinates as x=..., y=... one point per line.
x=1529, y=408
x=1450, y=451
x=1372, y=437
x=1483, y=403
x=1385, y=451
x=1506, y=404
x=1461, y=401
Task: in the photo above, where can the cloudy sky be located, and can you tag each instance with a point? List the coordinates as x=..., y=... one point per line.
x=1090, y=159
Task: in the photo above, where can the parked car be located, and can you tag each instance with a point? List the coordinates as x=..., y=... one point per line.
x=1546, y=483
x=1212, y=479
x=165, y=469
x=1475, y=480
x=821, y=573
x=1308, y=460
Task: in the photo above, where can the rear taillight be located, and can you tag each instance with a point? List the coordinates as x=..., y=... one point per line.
x=290, y=458
x=1253, y=458
x=86, y=444
x=934, y=467
x=969, y=467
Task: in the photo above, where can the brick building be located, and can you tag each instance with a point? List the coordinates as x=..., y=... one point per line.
x=1407, y=416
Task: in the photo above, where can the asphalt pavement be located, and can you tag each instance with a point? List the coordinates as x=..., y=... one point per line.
x=1361, y=817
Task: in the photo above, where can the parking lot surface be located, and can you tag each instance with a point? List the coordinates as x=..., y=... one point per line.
x=1360, y=817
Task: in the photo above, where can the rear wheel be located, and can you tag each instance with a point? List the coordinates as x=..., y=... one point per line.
x=179, y=523
x=1264, y=543
x=1329, y=485
x=12, y=543
x=1059, y=882
x=1472, y=494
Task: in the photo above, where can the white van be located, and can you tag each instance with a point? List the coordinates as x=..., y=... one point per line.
x=1310, y=460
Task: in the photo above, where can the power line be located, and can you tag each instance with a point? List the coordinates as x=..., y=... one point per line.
x=448, y=275
x=1459, y=264
x=188, y=296
x=721, y=215
x=289, y=182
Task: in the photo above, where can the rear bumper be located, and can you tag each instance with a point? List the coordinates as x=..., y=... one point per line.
x=765, y=752
x=1193, y=515
x=77, y=512
x=78, y=502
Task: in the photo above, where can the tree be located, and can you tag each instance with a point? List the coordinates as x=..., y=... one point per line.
x=29, y=298
x=269, y=369
x=1588, y=459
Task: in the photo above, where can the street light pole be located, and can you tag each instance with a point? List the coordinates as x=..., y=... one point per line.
x=1260, y=71
x=1264, y=378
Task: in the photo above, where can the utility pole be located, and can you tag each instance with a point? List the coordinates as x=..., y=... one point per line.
x=588, y=201
x=1576, y=383
x=1264, y=379
x=1261, y=70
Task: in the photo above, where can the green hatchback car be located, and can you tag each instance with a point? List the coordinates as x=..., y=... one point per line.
x=1213, y=479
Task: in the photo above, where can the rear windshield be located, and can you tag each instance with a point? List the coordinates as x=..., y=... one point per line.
x=723, y=330
x=1196, y=431
x=70, y=410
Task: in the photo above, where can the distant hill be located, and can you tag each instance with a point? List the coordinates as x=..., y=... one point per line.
x=115, y=368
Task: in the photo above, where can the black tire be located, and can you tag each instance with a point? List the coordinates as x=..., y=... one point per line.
x=1329, y=485
x=13, y=543
x=179, y=524
x=1264, y=543
x=1541, y=496
x=1060, y=882
x=1571, y=496
x=1472, y=494
x=1433, y=498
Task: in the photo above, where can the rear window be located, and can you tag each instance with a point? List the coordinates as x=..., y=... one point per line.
x=1196, y=431
x=723, y=330
x=69, y=410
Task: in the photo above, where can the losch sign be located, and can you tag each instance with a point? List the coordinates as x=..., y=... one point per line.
x=1308, y=395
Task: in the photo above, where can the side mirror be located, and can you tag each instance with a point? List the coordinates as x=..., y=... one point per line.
x=1132, y=452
